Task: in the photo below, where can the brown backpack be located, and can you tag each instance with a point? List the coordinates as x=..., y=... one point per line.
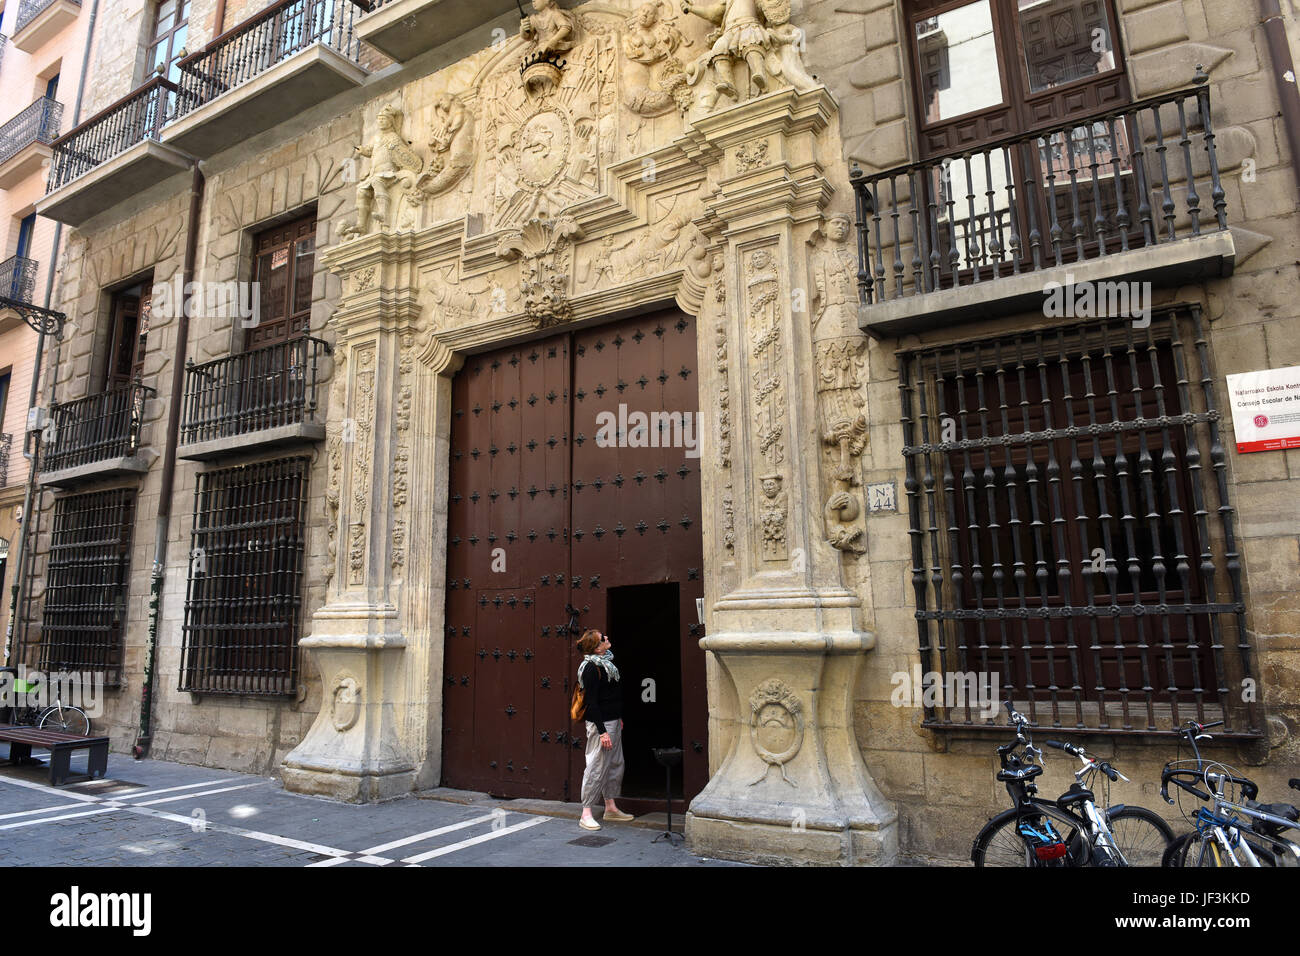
x=578, y=705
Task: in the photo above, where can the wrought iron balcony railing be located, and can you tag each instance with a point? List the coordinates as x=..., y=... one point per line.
x=259, y=43
x=6, y=445
x=252, y=391
x=39, y=123
x=96, y=428
x=18, y=278
x=136, y=117
x=4, y=42
x=29, y=10
x=1131, y=178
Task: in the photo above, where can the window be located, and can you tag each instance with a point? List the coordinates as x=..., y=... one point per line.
x=284, y=266
x=1060, y=487
x=25, y=230
x=130, y=333
x=244, y=602
x=170, y=26
x=985, y=69
x=87, y=585
x=52, y=87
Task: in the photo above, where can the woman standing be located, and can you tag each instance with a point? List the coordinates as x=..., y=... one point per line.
x=603, y=695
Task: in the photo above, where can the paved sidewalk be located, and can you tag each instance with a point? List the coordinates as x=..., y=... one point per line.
x=154, y=813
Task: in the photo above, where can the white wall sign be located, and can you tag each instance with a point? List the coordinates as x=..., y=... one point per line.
x=1266, y=409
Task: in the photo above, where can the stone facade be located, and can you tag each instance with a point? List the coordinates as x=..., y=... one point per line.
x=490, y=203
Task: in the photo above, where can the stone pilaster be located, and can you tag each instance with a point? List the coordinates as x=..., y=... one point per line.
x=373, y=639
x=787, y=636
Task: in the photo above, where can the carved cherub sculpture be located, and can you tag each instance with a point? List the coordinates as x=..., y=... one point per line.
x=383, y=196
x=551, y=28
x=451, y=139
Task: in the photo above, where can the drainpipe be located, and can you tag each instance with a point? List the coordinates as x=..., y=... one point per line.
x=145, y=738
x=1279, y=53
x=32, y=445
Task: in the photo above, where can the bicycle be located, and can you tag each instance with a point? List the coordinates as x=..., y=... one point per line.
x=1236, y=832
x=58, y=716
x=1070, y=831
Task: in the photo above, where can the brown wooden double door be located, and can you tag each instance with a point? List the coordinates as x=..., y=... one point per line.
x=549, y=510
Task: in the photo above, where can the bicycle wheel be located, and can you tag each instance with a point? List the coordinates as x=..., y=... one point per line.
x=68, y=720
x=1141, y=835
x=1000, y=842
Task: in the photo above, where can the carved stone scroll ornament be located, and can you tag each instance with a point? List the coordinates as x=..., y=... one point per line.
x=776, y=726
x=451, y=141
x=336, y=432
x=656, y=79
x=755, y=32
x=844, y=430
x=387, y=196
x=544, y=249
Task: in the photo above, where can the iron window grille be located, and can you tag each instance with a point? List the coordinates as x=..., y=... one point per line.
x=1071, y=529
x=86, y=591
x=243, y=605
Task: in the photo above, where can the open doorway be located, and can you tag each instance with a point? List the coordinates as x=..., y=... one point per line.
x=644, y=629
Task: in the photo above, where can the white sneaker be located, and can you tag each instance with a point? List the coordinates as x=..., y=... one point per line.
x=588, y=824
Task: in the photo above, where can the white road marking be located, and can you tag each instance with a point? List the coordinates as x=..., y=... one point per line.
x=463, y=844
x=66, y=816
x=384, y=847
x=28, y=813
x=191, y=796
x=43, y=788
x=189, y=786
x=336, y=855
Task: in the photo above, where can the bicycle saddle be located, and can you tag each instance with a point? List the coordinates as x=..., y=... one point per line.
x=1028, y=772
x=1076, y=794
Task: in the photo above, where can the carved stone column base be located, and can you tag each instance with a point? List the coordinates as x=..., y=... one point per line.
x=354, y=751
x=794, y=789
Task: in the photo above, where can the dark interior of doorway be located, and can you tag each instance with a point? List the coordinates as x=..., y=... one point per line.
x=644, y=628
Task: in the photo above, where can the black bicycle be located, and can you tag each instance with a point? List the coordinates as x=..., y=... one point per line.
x=1072, y=830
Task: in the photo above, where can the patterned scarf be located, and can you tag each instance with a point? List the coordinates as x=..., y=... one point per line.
x=604, y=661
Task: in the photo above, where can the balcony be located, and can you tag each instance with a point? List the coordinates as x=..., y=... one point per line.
x=96, y=437
x=6, y=445
x=1132, y=194
x=40, y=21
x=18, y=278
x=256, y=399
x=403, y=29
x=112, y=156
x=25, y=140
x=4, y=42
x=288, y=58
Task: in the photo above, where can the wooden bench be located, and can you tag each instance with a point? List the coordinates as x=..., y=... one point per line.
x=60, y=745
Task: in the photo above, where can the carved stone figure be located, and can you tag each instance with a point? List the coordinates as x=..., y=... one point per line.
x=757, y=32
x=451, y=139
x=550, y=28
x=834, y=270
x=656, y=79
x=551, y=31
x=386, y=196
x=772, y=517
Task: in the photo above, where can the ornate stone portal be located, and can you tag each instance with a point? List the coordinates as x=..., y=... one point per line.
x=585, y=197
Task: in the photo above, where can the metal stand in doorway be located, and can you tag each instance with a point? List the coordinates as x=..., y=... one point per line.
x=668, y=757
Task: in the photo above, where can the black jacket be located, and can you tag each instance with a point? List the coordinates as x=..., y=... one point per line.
x=604, y=697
